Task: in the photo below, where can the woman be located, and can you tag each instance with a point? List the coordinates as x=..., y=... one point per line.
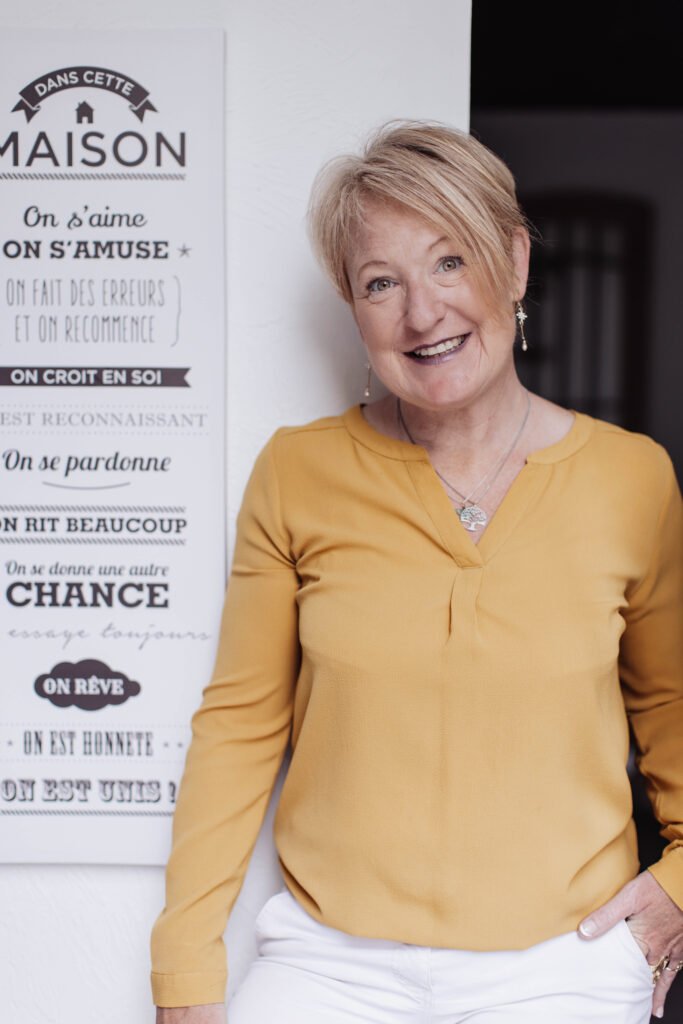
x=456, y=596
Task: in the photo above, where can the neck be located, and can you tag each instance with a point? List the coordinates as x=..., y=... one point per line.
x=472, y=430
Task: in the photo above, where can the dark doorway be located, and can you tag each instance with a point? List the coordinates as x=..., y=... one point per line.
x=585, y=104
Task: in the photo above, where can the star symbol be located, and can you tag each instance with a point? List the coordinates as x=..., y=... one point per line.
x=184, y=250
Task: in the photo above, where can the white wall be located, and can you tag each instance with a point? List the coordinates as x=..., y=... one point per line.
x=305, y=79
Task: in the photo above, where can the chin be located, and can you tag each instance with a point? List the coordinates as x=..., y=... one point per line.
x=441, y=396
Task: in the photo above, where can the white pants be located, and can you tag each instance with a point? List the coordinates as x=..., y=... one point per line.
x=308, y=973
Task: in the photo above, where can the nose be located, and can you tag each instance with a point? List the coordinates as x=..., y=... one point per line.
x=423, y=306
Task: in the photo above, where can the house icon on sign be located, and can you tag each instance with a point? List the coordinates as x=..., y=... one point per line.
x=84, y=113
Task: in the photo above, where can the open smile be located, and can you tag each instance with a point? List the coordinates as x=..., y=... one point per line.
x=438, y=352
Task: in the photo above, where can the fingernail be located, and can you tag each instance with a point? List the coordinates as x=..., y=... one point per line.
x=659, y=1012
x=588, y=928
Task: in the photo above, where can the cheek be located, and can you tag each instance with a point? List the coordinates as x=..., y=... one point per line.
x=374, y=327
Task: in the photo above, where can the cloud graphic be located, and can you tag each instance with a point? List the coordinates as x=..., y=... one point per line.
x=88, y=684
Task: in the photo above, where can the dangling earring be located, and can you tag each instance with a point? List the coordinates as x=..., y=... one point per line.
x=366, y=391
x=521, y=317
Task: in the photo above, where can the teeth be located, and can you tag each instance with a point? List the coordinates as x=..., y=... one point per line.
x=443, y=346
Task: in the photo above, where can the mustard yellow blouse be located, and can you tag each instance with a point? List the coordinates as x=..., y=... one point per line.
x=458, y=712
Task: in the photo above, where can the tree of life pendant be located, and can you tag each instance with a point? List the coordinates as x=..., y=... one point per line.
x=472, y=517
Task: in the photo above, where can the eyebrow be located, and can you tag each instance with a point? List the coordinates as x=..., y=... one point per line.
x=383, y=263
x=372, y=263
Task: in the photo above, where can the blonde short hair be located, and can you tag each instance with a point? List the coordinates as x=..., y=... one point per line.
x=444, y=175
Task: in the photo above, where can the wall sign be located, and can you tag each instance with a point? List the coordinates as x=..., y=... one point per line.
x=112, y=432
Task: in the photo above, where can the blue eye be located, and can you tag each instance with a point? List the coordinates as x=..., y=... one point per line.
x=380, y=284
x=450, y=263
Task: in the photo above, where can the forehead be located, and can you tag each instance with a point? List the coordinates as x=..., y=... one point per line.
x=387, y=229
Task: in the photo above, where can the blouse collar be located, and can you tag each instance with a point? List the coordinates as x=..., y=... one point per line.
x=363, y=432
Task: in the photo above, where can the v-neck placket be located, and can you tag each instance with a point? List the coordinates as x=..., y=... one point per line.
x=523, y=491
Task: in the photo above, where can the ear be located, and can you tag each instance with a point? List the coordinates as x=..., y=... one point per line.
x=521, y=247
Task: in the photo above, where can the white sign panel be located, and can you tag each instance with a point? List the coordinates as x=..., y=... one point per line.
x=112, y=451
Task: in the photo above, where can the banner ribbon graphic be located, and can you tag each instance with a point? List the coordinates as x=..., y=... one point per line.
x=85, y=77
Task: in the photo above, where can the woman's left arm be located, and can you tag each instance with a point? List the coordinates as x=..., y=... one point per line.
x=651, y=670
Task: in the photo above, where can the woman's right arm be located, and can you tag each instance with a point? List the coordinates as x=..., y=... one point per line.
x=239, y=737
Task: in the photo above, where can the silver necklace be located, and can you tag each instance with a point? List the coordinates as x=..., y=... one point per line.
x=494, y=470
x=470, y=513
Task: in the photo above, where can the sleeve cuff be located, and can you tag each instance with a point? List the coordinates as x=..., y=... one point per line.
x=669, y=873
x=189, y=989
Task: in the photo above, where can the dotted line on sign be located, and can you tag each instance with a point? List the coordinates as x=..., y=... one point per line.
x=116, y=429
x=102, y=760
x=114, y=728
x=86, y=405
x=86, y=176
x=133, y=814
x=94, y=508
x=89, y=540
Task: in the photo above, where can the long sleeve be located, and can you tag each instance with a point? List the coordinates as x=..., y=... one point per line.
x=651, y=667
x=239, y=737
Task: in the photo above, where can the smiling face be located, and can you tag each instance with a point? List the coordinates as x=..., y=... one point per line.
x=430, y=336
